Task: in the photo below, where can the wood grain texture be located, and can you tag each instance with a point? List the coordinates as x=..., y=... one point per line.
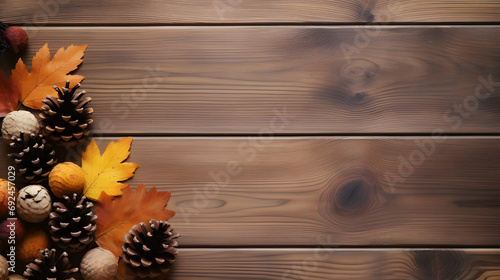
x=339, y=264
x=294, y=200
x=233, y=80
x=294, y=191
x=246, y=11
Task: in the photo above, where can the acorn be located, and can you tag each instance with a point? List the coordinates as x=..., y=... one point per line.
x=16, y=38
x=29, y=249
x=99, y=264
x=66, y=178
x=19, y=121
x=33, y=204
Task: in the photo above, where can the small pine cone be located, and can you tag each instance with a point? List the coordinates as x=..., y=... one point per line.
x=72, y=223
x=66, y=118
x=34, y=157
x=150, y=249
x=50, y=267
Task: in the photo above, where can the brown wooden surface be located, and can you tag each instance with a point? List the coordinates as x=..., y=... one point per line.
x=298, y=198
x=218, y=80
x=246, y=11
x=295, y=190
x=338, y=264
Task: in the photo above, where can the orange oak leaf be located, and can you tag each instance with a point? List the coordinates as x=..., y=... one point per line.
x=9, y=95
x=104, y=173
x=45, y=73
x=116, y=216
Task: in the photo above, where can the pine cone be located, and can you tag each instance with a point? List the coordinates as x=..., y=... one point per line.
x=72, y=223
x=50, y=267
x=66, y=118
x=34, y=156
x=149, y=249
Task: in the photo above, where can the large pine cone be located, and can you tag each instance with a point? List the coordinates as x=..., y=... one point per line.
x=50, y=267
x=72, y=223
x=34, y=157
x=149, y=249
x=66, y=119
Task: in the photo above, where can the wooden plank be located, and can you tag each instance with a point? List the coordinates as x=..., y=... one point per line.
x=292, y=191
x=247, y=11
x=341, y=264
x=235, y=80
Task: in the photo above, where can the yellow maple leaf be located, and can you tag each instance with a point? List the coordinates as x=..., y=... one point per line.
x=104, y=173
x=45, y=73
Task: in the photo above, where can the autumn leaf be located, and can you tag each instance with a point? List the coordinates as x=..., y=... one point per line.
x=8, y=95
x=116, y=216
x=104, y=173
x=46, y=73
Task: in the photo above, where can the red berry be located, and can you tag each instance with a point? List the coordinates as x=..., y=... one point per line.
x=16, y=38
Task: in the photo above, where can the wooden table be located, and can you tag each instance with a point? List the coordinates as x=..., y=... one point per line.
x=301, y=139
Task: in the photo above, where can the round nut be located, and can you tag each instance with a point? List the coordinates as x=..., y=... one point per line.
x=99, y=264
x=29, y=249
x=19, y=121
x=16, y=38
x=33, y=204
x=66, y=178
